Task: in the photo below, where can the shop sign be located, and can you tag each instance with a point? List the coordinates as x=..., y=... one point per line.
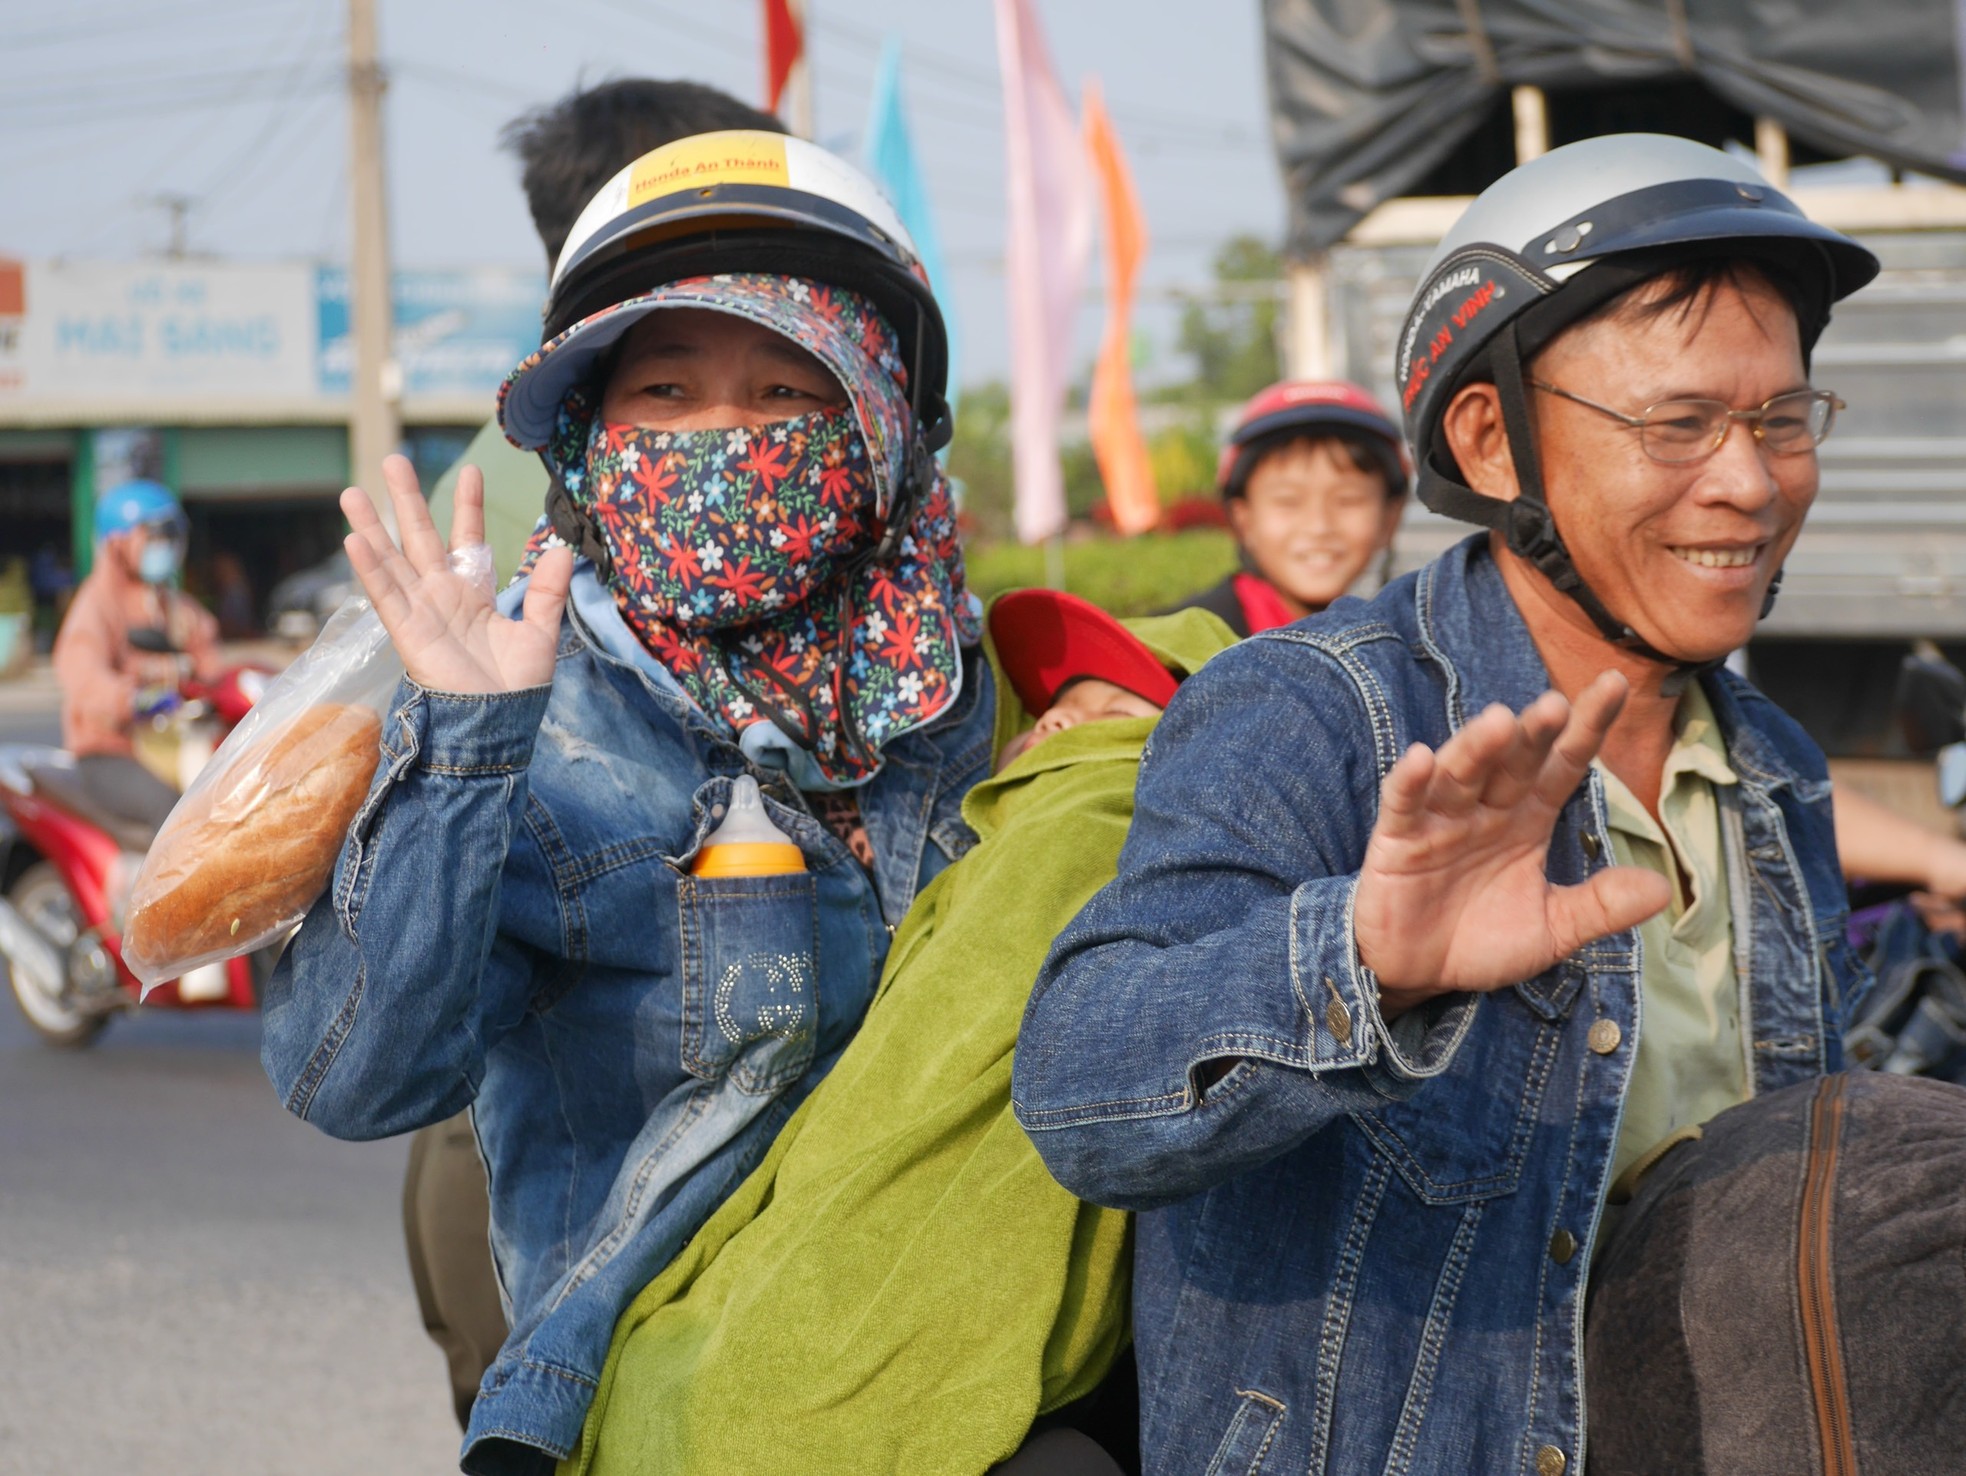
x=458, y=333
x=129, y=333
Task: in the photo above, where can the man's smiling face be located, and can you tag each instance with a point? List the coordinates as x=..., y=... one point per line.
x=1682, y=553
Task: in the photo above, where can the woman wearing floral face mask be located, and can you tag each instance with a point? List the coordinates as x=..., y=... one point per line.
x=748, y=566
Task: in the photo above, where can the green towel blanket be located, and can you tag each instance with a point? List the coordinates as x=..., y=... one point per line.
x=900, y=1286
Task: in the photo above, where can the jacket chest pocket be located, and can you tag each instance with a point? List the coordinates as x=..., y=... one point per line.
x=1473, y=1149
x=750, y=962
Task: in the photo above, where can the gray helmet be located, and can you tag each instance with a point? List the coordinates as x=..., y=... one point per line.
x=1549, y=243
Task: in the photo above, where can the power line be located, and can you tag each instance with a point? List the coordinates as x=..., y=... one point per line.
x=246, y=166
x=469, y=83
x=1201, y=131
x=219, y=90
x=680, y=22
x=193, y=140
x=154, y=72
x=138, y=17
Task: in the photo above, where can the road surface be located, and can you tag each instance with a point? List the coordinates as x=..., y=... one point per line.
x=191, y=1282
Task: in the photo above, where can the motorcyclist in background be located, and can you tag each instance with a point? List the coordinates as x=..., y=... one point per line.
x=107, y=683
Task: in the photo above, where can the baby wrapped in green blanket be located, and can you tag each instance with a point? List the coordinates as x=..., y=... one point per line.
x=901, y=1286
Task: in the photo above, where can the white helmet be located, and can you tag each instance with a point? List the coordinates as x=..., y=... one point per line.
x=718, y=203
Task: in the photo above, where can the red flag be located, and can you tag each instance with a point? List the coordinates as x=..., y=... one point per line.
x=785, y=46
x=1113, y=416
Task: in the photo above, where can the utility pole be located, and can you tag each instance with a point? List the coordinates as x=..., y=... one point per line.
x=373, y=428
x=798, y=86
x=178, y=208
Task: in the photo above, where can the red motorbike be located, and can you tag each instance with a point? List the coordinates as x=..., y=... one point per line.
x=67, y=866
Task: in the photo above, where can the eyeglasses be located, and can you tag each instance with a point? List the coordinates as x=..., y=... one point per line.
x=1678, y=431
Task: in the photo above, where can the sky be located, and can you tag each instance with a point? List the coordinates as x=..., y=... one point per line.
x=238, y=105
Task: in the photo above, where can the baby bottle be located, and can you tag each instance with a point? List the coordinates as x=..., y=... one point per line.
x=747, y=843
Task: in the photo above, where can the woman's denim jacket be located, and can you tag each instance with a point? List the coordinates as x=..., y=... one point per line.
x=512, y=926
x=1367, y=1246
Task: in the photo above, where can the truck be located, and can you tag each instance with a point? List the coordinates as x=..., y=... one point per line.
x=1882, y=560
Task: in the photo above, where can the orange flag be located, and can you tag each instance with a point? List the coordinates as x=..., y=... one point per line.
x=1113, y=418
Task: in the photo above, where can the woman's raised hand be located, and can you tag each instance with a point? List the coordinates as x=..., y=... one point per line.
x=1455, y=893
x=444, y=624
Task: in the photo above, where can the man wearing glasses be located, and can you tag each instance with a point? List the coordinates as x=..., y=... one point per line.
x=1443, y=918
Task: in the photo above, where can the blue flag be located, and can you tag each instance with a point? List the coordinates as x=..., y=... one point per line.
x=888, y=154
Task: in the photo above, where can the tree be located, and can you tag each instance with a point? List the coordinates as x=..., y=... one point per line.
x=979, y=458
x=1232, y=338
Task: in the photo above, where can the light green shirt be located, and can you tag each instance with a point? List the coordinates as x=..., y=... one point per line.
x=1690, y=1063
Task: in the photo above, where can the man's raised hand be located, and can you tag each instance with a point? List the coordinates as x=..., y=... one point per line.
x=443, y=624
x=1454, y=893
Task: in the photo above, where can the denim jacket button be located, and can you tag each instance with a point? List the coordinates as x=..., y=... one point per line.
x=1591, y=848
x=1605, y=1037
x=1338, y=1020
x=1563, y=1245
x=1550, y=1461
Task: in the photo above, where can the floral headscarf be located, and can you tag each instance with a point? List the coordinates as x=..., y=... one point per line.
x=744, y=559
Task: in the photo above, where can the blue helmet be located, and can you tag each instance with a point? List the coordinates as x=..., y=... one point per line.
x=136, y=504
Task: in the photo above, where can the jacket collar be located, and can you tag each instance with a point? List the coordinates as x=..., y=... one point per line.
x=1470, y=626
x=1759, y=762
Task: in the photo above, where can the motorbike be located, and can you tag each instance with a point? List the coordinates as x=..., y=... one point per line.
x=1913, y=1023
x=67, y=866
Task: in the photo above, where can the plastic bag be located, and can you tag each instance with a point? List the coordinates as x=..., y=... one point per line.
x=254, y=840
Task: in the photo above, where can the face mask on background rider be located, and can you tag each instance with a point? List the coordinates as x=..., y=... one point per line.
x=160, y=557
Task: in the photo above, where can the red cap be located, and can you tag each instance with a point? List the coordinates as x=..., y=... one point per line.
x=1309, y=405
x=1046, y=638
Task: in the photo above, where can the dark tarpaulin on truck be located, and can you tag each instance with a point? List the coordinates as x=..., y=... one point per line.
x=1371, y=99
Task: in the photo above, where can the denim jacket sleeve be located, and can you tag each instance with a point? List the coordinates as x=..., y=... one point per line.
x=378, y=1017
x=1226, y=938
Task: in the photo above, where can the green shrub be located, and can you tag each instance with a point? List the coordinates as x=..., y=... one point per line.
x=1128, y=576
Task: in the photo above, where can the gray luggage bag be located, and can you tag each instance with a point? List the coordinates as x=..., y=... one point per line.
x=1786, y=1296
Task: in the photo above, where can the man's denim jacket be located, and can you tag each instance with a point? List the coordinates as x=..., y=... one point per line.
x=512, y=926
x=1367, y=1246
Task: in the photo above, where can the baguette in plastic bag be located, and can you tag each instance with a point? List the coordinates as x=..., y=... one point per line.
x=254, y=840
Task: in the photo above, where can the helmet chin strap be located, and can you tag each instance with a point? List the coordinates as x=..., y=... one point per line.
x=1530, y=531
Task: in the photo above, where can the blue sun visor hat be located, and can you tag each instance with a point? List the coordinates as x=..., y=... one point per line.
x=857, y=348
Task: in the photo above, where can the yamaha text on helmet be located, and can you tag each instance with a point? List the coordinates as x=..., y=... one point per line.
x=1548, y=244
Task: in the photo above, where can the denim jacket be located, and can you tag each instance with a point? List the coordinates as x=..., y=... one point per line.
x=512, y=925
x=1367, y=1246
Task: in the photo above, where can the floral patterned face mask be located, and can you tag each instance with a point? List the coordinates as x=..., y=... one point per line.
x=744, y=561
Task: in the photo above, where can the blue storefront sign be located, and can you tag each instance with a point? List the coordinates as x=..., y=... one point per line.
x=458, y=333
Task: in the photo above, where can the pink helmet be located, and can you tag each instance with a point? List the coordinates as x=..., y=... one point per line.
x=1293, y=407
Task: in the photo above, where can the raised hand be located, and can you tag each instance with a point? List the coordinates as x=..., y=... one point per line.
x=1454, y=893
x=443, y=624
